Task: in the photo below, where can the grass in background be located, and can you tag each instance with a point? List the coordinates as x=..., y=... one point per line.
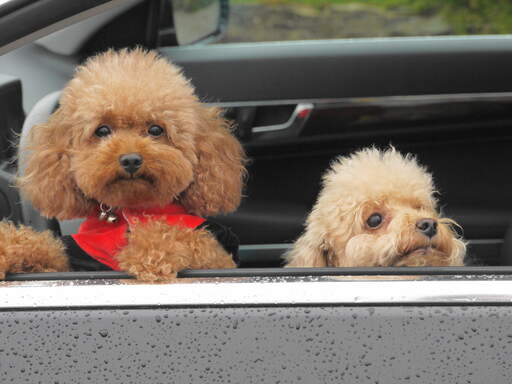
x=465, y=16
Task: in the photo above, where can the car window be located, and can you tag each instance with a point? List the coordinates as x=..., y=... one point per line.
x=293, y=124
x=281, y=20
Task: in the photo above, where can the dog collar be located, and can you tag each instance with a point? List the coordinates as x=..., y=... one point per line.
x=103, y=240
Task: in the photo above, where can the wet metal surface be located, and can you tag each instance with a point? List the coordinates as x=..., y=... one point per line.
x=358, y=290
x=375, y=345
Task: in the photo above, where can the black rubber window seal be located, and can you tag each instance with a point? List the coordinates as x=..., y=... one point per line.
x=277, y=272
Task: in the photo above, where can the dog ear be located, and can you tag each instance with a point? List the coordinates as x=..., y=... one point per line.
x=456, y=243
x=219, y=173
x=46, y=178
x=323, y=243
x=308, y=251
x=458, y=252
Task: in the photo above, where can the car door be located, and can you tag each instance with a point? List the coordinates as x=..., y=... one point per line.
x=299, y=104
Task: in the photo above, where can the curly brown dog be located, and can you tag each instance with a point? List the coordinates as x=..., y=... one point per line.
x=377, y=208
x=132, y=149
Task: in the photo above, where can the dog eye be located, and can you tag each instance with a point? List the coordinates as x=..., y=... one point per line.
x=155, y=130
x=374, y=220
x=103, y=130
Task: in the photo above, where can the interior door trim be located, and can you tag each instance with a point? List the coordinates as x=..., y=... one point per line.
x=347, y=67
x=382, y=100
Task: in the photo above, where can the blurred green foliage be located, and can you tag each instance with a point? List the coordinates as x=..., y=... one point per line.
x=468, y=16
x=190, y=5
x=464, y=16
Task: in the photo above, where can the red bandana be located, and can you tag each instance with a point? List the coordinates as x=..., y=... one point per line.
x=102, y=240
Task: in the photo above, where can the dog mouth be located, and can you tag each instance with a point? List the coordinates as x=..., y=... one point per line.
x=422, y=250
x=133, y=178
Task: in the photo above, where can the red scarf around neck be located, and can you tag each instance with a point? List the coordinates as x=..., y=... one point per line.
x=103, y=240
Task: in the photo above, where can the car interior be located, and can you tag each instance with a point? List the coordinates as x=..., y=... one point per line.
x=297, y=106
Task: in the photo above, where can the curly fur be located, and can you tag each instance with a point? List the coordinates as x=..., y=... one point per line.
x=46, y=252
x=185, y=248
x=197, y=162
x=372, y=181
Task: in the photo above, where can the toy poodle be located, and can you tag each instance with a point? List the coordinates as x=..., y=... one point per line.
x=377, y=208
x=131, y=149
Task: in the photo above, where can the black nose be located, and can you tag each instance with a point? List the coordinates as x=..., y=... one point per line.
x=427, y=226
x=131, y=162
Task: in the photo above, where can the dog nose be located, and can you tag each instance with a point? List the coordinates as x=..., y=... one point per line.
x=427, y=226
x=131, y=162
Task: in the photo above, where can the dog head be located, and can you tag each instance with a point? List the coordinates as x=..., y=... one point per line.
x=130, y=132
x=377, y=209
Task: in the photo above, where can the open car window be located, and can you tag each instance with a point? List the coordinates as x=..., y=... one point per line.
x=413, y=78
x=284, y=20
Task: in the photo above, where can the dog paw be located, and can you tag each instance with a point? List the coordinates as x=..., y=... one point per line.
x=157, y=251
x=7, y=230
x=25, y=250
x=4, y=267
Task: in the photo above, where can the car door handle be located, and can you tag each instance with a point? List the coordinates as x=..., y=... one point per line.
x=293, y=125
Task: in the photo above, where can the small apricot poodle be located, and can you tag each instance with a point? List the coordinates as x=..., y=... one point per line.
x=377, y=208
x=132, y=149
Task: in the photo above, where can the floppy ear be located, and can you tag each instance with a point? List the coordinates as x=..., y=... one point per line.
x=458, y=245
x=325, y=238
x=458, y=253
x=219, y=173
x=46, y=179
x=306, y=252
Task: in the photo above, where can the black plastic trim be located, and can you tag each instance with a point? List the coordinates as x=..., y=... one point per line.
x=276, y=272
x=10, y=208
x=370, y=271
x=347, y=68
x=67, y=276
x=24, y=18
x=14, y=5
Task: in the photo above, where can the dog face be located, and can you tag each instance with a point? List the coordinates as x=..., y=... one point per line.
x=377, y=209
x=394, y=232
x=130, y=132
x=134, y=155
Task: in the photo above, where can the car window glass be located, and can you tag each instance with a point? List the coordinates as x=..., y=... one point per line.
x=282, y=20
